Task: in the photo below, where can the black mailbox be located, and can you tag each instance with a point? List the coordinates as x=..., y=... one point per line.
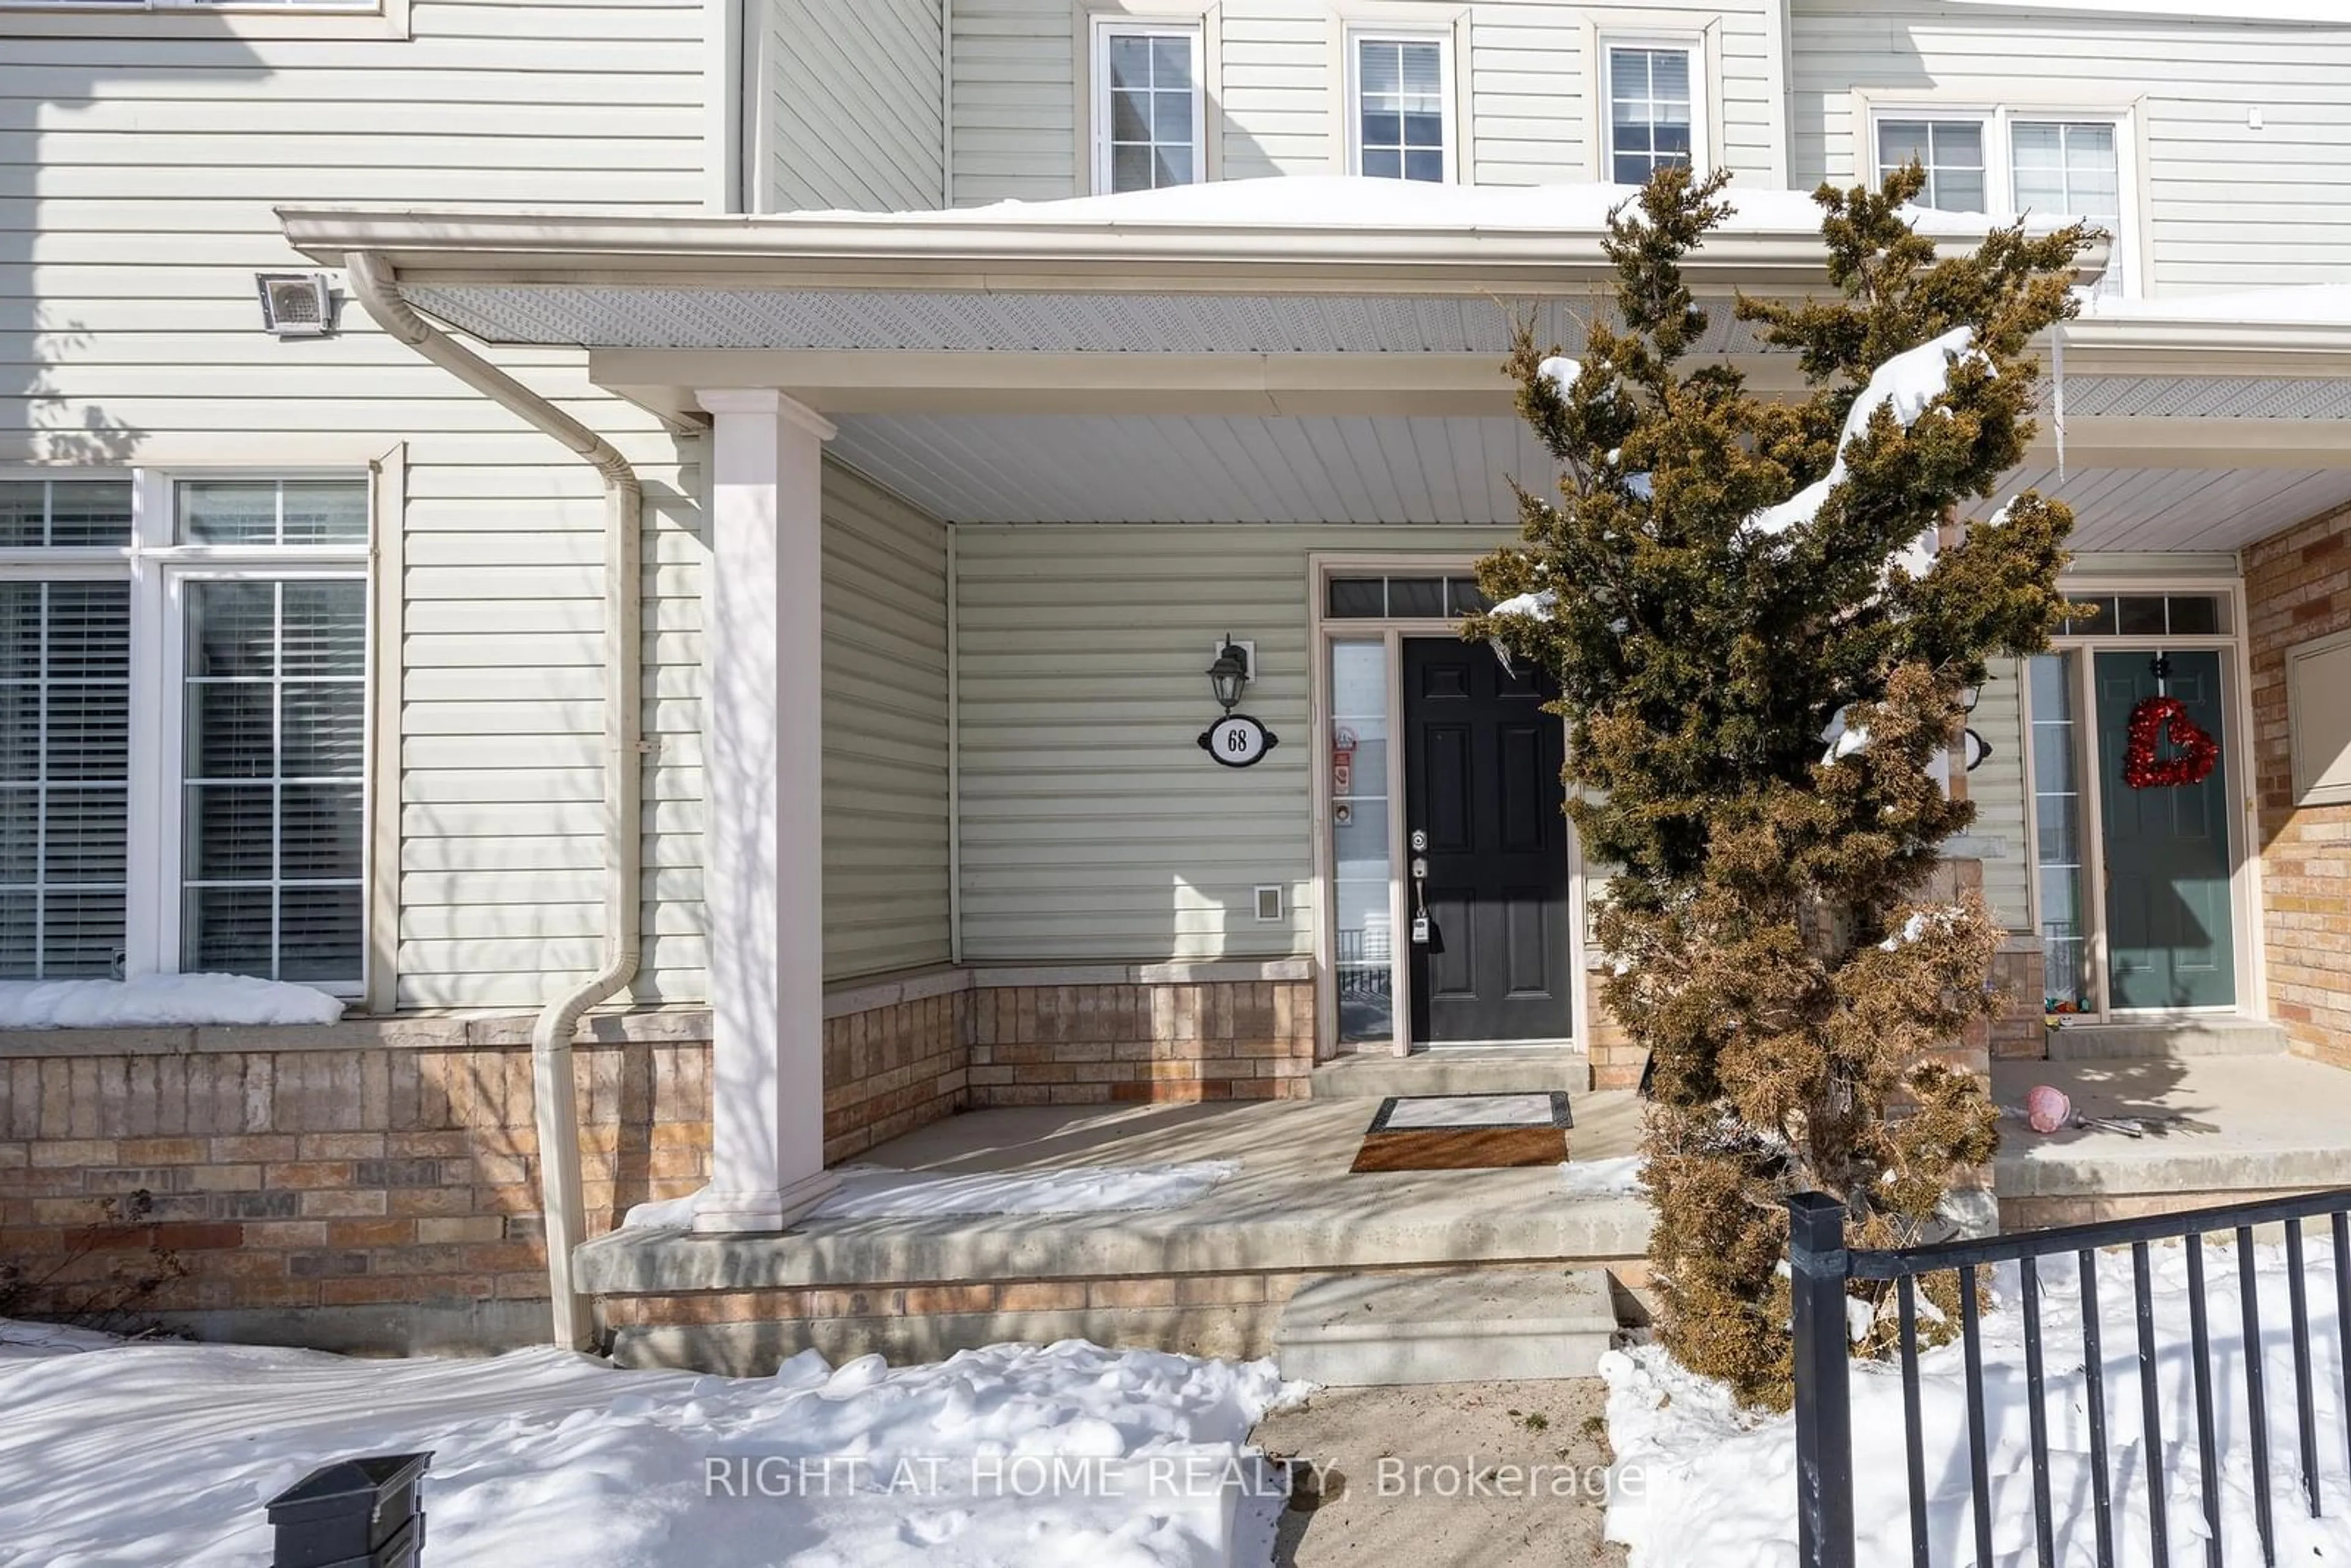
x=353, y=1513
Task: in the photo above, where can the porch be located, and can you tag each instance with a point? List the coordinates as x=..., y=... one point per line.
x=1122, y=436
x=1210, y=1276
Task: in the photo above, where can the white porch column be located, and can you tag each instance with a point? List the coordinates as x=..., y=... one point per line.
x=763, y=844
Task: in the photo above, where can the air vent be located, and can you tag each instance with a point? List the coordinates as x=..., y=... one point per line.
x=295, y=304
x=1269, y=903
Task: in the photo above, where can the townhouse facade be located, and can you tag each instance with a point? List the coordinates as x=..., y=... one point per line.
x=830, y=717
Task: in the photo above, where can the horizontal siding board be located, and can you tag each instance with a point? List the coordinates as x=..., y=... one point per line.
x=885, y=731
x=1091, y=825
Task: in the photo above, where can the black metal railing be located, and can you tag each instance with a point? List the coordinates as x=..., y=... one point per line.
x=1821, y=1267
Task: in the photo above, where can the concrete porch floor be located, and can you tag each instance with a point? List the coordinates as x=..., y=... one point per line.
x=2222, y=1128
x=1211, y=1274
x=1294, y=1205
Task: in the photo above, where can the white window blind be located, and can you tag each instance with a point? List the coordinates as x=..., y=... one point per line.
x=1149, y=107
x=1400, y=109
x=275, y=763
x=1650, y=113
x=65, y=735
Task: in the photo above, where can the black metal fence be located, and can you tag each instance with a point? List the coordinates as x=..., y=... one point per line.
x=1820, y=1266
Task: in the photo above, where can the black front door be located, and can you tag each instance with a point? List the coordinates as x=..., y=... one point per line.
x=1481, y=781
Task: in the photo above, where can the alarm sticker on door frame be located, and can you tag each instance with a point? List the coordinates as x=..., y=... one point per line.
x=1236, y=741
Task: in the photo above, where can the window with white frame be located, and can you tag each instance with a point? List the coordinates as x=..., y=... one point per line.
x=225, y=831
x=1148, y=106
x=2004, y=160
x=1950, y=151
x=1652, y=115
x=1402, y=95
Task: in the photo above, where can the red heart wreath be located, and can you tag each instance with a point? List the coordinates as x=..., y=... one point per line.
x=2166, y=718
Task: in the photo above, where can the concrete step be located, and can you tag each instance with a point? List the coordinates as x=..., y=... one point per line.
x=1361, y=1330
x=2165, y=1041
x=1452, y=1073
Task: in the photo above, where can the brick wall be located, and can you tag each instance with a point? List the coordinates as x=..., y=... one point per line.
x=891, y=1069
x=309, y=1173
x=2298, y=588
x=1085, y=1044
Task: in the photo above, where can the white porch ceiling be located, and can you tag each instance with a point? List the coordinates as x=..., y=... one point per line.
x=1069, y=468
x=1171, y=469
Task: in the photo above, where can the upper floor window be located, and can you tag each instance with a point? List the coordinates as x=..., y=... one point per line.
x=225, y=831
x=1950, y=151
x=1999, y=160
x=1147, y=105
x=1402, y=90
x=1652, y=118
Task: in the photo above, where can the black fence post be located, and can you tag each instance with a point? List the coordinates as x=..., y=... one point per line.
x=1817, y=1266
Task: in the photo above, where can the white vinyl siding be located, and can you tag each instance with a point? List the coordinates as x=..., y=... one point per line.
x=155, y=163
x=2228, y=204
x=1997, y=787
x=1093, y=824
x=885, y=731
x=856, y=97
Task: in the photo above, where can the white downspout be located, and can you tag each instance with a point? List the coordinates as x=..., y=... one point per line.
x=375, y=286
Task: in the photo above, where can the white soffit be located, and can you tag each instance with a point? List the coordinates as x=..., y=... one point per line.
x=1171, y=469
x=1013, y=468
x=2184, y=508
x=601, y=317
x=2208, y=397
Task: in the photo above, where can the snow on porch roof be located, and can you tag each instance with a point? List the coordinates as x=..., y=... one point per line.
x=1297, y=234
x=1286, y=264
x=1355, y=203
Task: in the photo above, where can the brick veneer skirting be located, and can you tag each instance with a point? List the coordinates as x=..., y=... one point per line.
x=1085, y=1043
x=387, y=1170
x=321, y=1173
x=2298, y=588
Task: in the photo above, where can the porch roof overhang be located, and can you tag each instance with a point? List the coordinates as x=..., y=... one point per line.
x=988, y=361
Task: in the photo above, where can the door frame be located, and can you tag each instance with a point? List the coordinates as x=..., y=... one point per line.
x=1323, y=631
x=2237, y=752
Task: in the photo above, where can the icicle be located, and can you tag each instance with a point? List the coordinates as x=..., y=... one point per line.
x=2057, y=372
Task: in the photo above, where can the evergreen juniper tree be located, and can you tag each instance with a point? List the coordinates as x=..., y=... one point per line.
x=1762, y=655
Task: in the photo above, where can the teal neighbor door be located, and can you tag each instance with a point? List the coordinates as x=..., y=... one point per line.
x=2170, y=941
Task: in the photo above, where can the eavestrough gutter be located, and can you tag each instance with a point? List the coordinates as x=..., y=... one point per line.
x=377, y=287
x=943, y=252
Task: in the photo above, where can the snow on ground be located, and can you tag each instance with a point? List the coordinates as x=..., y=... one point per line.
x=873, y=1192
x=160, y=1001
x=150, y=1453
x=1617, y=1177
x=1717, y=1487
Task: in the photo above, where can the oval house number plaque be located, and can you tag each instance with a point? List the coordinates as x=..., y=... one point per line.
x=1237, y=740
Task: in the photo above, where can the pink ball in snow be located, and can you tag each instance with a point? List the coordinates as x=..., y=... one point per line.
x=2047, y=1109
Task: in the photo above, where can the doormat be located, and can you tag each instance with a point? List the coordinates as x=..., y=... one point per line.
x=1465, y=1131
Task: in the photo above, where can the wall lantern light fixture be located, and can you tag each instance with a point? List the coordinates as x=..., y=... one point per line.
x=1228, y=677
